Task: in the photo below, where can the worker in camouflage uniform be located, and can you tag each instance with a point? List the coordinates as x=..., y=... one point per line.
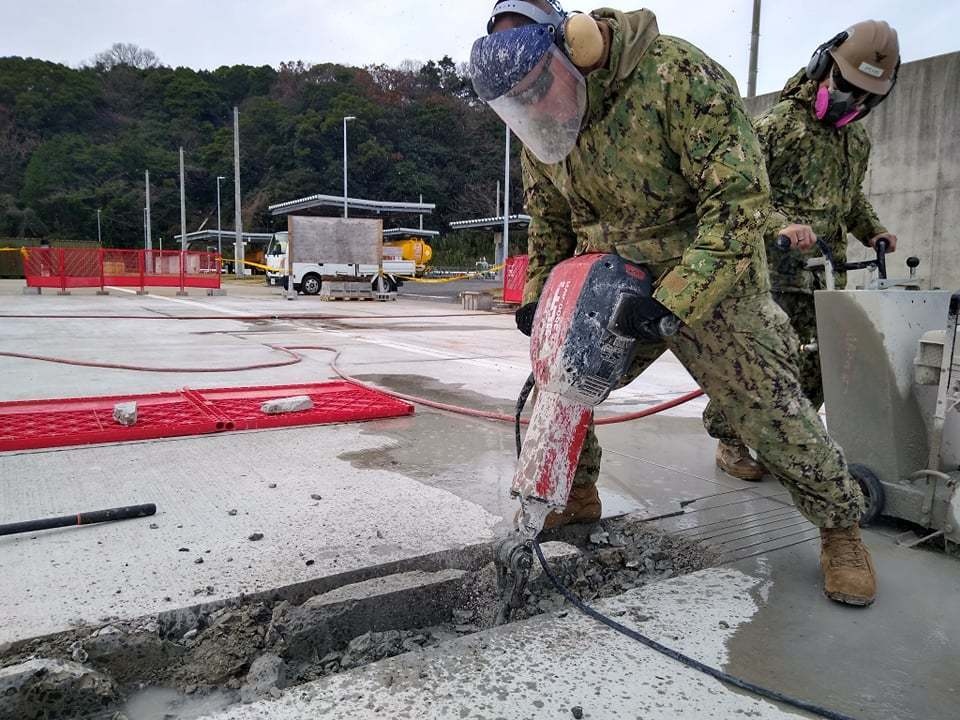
x=816, y=156
x=644, y=149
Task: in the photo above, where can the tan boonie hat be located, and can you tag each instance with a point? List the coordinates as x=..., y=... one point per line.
x=869, y=56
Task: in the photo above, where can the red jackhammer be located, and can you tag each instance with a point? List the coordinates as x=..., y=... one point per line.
x=593, y=313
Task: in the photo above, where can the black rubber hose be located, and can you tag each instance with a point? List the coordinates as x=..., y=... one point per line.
x=85, y=518
x=521, y=402
x=653, y=644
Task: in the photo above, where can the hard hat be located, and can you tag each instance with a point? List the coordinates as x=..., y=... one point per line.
x=867, y=55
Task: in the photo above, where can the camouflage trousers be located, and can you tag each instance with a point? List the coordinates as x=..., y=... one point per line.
x=744, y=357
x=799, y=307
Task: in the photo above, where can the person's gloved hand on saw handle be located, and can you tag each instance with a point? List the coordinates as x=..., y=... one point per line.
x=802, y=237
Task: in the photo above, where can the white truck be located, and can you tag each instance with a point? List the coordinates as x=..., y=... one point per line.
x=336, y=257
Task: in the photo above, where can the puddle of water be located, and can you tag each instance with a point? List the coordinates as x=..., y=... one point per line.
x=166, y=704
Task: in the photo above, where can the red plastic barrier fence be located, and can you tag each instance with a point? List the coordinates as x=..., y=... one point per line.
x=65, y=268
x=514, y=278
x=37, y=424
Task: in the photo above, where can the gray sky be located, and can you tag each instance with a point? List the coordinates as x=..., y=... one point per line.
x=207, y=34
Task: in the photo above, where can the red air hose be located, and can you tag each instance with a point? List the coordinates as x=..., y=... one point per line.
x=295, y=358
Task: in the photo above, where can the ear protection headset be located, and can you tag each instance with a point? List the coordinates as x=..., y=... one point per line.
x=820, y=61
x=577, y=34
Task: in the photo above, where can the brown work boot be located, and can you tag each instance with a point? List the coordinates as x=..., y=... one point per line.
x=735, y=460
x=848, y=575
x=583, y=506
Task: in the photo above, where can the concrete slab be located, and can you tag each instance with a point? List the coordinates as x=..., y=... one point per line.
x=83, y=575
x=435, y=482
x=543, y=667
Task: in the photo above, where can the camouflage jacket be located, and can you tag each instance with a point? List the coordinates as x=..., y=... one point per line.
x=816, y=178
x=666, y=172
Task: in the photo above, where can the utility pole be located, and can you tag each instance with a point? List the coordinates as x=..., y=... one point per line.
x=183, y=207
x=754, y=49
x=219, y=233
x=146, y=180
x=421, y=214
x=506, y=202
x=99, y=239
x=238, y=218
x=347, y=119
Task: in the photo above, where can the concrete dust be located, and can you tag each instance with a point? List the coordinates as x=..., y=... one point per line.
x=181, y=665
x=166, y=704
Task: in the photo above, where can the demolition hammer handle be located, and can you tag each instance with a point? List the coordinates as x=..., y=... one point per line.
x=87, y=518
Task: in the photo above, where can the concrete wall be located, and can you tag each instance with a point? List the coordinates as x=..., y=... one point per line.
x=914, y=176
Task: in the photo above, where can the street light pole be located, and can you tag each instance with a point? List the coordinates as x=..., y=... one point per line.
x=183, y=206
x=99, y=239
x=754, y=49
x=347, y=119
x=219, y=236
x=506, y=203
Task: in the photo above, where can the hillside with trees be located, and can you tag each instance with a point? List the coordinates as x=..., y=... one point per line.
x=74, y=140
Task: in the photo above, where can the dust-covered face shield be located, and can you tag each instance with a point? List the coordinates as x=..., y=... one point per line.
x=525, y=78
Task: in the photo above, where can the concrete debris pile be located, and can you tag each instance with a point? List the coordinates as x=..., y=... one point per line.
x=254, y=650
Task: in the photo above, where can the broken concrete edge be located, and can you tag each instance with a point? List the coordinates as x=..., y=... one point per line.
x=353, y=625
x=469, y=558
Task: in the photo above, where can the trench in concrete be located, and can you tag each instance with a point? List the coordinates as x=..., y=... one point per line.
x=186, y=663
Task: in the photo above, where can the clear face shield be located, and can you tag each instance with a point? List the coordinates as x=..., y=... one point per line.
x=525, y=78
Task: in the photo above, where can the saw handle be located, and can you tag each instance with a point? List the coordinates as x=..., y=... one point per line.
x=784, y=245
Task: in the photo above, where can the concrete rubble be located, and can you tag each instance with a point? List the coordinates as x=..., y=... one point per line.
x=287, y=405
x=43, y=688
x=254, y=650
x=125, y=413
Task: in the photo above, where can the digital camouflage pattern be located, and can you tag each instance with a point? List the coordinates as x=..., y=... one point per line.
x=816, y=178
x=743, y=356
x=667, y=172
x=803, y=318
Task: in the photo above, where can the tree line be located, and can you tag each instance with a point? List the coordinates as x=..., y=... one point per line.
x=75, y=140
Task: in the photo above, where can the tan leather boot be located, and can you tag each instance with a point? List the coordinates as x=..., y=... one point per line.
x=735, y=460
x=848, y=575
x=583, y=506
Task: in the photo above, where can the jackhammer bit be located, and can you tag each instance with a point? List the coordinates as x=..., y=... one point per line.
x=514, y=560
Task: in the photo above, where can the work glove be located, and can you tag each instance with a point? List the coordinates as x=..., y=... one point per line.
x=646, y=319
x=524, y=318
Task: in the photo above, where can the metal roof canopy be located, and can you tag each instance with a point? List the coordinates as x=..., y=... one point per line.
x=226, y=234
x=409, y=232
x=490, y=223
x=377, y=206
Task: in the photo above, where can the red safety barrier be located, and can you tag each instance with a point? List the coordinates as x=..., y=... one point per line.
x=514, y=278
x=65, y=268
x=35, y=424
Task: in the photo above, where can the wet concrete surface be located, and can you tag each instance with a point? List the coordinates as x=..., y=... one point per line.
x=448, y=488
x=899, y=658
